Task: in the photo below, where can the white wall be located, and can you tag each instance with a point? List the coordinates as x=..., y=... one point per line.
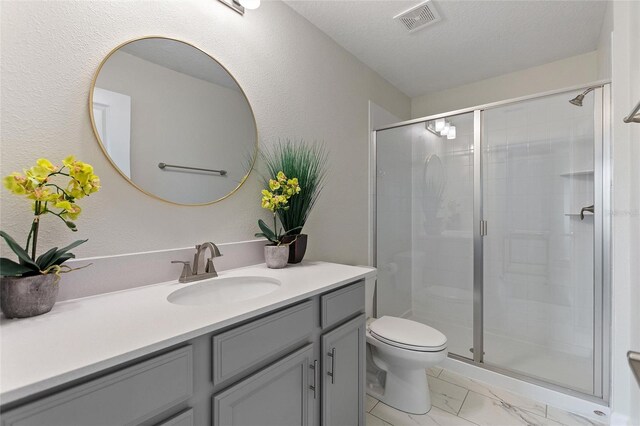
x=604, y=44
x=180, y=119
x=625, y=64
x=299, y=82
x=554, y=75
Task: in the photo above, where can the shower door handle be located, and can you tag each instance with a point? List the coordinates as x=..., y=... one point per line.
x=483, y=228
x=586, y=209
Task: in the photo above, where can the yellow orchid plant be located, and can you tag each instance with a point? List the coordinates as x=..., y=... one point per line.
x=274, y=199
x=37, y=185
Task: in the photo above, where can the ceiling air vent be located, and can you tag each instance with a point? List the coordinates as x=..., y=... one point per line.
x=419, y=16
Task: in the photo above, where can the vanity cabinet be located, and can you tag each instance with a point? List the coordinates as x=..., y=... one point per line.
x=300, y=365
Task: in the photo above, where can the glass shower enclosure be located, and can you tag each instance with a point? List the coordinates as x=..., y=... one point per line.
x=489, y=228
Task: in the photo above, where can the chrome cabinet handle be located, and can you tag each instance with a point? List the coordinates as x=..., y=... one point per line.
x=331, y=373
x=586, y=209
x=316, y=371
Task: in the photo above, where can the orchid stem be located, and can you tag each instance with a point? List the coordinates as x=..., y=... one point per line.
x=275, y=228
x=34, y=228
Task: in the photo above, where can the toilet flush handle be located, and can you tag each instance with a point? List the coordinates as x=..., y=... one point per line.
x=331, y=373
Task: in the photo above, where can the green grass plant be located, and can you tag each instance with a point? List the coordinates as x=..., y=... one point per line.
x=306, y=161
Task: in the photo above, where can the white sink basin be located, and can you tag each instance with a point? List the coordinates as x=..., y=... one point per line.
x=223, y=291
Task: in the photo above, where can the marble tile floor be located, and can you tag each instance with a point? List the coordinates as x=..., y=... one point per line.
x=460, y=401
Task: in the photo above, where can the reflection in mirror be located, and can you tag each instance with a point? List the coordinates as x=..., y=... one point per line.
x=162, y=101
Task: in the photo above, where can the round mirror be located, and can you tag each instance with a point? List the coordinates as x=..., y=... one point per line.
x=173, y=121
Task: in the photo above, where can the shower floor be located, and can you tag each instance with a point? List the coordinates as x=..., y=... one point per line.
x=568, y=370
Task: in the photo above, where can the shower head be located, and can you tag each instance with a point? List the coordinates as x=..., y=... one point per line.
x=577, y=101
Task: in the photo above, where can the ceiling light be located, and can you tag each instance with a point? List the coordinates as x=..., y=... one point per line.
x=439, y=124
x=445, y=129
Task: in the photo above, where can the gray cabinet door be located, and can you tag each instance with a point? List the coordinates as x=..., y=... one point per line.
x=279, y=395
x=343, y=369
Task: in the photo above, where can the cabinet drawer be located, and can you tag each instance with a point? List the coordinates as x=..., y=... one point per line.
x=125, y=397
x=183, y=419
x=342, y=304
x=258, y=342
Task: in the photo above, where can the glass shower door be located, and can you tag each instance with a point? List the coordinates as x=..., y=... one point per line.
x=503, y=248
x=424, y=249
x=538, y=254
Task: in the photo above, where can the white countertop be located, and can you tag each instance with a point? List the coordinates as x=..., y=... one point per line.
x=83, y=336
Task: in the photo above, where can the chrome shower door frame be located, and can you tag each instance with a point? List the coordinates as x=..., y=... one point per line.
x=602, y=237
x=479, y=228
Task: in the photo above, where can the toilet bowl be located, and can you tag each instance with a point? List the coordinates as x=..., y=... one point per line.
x=403, y=349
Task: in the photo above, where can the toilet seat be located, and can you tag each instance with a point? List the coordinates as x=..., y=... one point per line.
x=407, y=334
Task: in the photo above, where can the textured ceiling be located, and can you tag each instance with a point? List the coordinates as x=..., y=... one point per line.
x=474, y=40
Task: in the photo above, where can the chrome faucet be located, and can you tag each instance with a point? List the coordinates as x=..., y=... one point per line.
x=196, y=273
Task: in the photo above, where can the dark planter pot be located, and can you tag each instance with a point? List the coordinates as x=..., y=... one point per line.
x=24, y=297
x=297, y=248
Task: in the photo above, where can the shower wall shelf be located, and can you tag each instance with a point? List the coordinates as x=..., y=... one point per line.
x=578, y=173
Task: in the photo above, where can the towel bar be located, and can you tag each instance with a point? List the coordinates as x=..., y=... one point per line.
x=163, y=165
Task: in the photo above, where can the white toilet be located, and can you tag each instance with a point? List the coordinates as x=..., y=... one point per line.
x=401, y=350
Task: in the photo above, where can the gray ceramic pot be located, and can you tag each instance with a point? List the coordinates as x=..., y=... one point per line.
x=24, y=297
x=276, y=257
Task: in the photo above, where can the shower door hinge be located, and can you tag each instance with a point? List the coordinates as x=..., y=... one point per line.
x=483, y=227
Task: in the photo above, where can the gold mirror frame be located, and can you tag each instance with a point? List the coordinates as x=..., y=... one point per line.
x=104, y=150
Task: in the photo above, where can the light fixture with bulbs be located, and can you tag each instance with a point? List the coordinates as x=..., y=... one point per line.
x=442, y=128
x=240, y=5
x=445, y=129
x=451, y=134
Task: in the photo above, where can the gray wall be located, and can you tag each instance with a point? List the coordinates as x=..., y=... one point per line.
x=299, y=82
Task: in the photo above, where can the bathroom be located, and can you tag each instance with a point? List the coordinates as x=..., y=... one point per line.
x=452, y=230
